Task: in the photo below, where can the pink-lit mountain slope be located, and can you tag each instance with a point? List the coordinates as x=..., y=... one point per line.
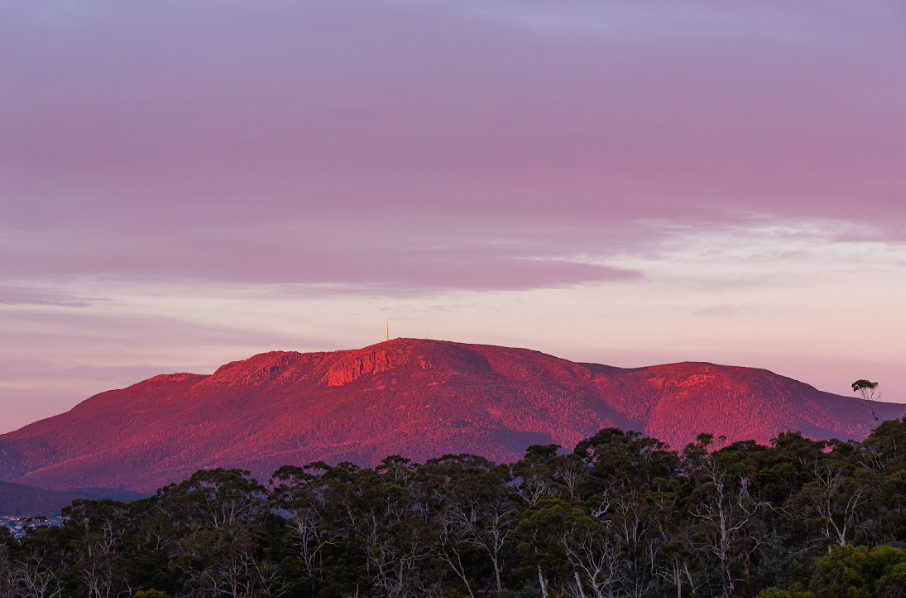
x=420, y=399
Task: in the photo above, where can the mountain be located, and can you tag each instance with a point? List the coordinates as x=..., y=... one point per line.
x=417, y=398
x=27, y=501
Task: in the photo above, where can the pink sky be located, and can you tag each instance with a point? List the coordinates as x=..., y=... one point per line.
x=187, y=182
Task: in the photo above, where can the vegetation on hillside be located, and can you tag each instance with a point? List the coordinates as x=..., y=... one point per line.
x=619, y=516
x=417, y=398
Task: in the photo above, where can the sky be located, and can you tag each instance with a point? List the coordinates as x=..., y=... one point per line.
x=184, y=183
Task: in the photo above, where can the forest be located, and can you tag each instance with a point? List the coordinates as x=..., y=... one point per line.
x=619, y=516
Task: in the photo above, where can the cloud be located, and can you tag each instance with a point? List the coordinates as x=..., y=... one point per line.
x=40, y=297
x=330, y=251
x=282, y=110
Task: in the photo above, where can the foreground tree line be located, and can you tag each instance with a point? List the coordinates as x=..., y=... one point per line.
x=619, y=516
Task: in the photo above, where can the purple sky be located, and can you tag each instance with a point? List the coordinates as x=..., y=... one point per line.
x=187, y=182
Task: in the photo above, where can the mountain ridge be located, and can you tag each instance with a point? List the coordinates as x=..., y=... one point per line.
x=417, y=398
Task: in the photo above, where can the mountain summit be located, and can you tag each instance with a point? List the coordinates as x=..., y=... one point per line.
x=416, y=398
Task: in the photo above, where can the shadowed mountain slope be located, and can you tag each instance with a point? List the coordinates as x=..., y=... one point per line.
x=417, y=398
x=26, y=501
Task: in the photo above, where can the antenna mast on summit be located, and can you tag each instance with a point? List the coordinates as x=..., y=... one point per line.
x=388, y=330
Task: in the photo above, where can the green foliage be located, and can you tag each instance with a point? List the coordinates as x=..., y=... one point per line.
x=774, y=593
x=6, y=537
x=857, y=572
x=619, y=516
x=860, y=385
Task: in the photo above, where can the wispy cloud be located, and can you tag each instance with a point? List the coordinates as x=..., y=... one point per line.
x=10, y=295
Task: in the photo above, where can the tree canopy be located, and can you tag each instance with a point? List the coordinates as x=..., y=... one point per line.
x=621, y=515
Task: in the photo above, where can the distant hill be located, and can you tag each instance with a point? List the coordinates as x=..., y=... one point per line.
x=26, y=501
x=417, y=398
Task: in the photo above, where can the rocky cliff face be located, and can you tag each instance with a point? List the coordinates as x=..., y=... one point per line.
x=375, y=360
x=420, y=399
